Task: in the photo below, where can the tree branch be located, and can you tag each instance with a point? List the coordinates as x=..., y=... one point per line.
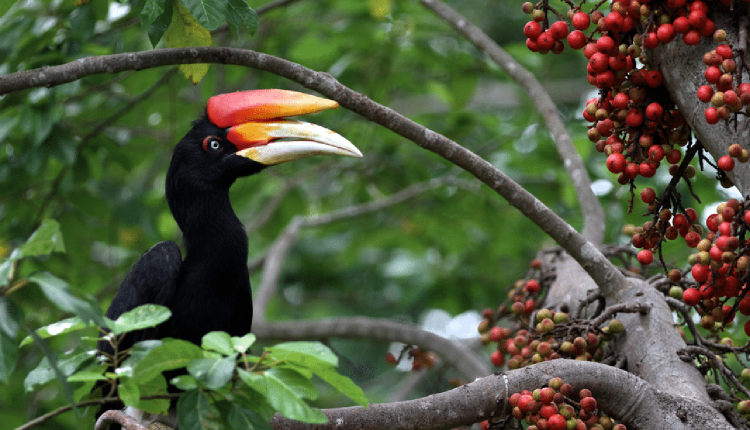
x=593, y=214
x=276, y=255
x=459, y=356
x=604, y=273
x=618, y=393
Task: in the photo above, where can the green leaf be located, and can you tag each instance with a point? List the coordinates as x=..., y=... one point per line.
x=242, y=344
x=172, y=354
x=59, y=294
x=185, y=31
x=282, y=397
x=11, y=317
x=184, y=382
x=156, y=16
x=45, y=372
x=136, y=389
x=53, y=363
x=94, y=373
x=242, y=15
x=343, y=384
x=213, y=373
x=8, y=355
x=210, y=14
x=301, y=386
x=128, y=391
x=218, y=341
x=302, y=352
x=241, y=418
x=139, y=351
x=144, y=316
x=5, y=268
x=57, y=328
x=194, y=412
x=46, y=239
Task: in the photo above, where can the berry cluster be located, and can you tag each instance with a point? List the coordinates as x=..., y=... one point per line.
x=720, y=267
x=727, y=98
x=420, y=359
x=553, y=408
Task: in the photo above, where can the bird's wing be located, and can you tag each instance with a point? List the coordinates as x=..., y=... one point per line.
x=152, y=279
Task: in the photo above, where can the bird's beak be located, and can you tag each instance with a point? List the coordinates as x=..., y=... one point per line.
x=256, y=124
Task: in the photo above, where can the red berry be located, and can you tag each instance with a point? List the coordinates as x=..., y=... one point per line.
x=497, y=358
x=726, y=163
x=700, y=273
x=532, y=286
x=545, y=41
x=666, y=33
x=681, y=25
x=674, y=156
x=712, y=74
x=747, y=327
x=559, y=30
x=576, y=39
x=616, y=163
x=692, y=37
x=532, y=30
x=712, y=115
x=620, y=101
x=653, y=78
x=654, y=111
x=634, y=118
x=557, y=422
x=697, y=18
x=725, y=51
x=645, y=257
x=650, y=41
x=647, y=169
x=656, y=153
x=648, y=195
x=691, y=239
x=581, y=21
x=390, y=358
x=532, y=45
x=691, y=297
x=704, y=93
x=605, y=45
x=588, y=404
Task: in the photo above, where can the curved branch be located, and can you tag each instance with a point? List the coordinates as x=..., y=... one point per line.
x=604, y=273
x=117, y=417
x=618, y=393
x=593, y=214
x=455, y=354
x=274, y=259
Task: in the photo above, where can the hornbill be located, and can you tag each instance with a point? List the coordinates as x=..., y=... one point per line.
x=240, y=134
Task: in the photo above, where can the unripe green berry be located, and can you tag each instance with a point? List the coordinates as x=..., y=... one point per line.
x=616, y=327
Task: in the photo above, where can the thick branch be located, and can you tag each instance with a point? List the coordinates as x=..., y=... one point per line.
x=604, y=273
x=593, y=228
x=455, y=354
x=618, y=393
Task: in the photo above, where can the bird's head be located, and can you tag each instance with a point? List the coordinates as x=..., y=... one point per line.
x=243, y=132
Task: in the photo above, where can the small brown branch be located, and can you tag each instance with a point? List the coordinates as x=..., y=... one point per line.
x=593, y=213
x=274, y=258
x=272, y=5
x=609, y=312
x=455, y=354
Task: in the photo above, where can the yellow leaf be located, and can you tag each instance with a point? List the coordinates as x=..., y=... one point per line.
x=185, y=32
x=380, y=9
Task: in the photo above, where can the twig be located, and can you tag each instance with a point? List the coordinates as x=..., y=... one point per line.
x=622, y=307
x=593, y=214
x=274, y=258
x=455, y=354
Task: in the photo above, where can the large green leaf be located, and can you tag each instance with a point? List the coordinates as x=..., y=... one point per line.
x=46, y=239
x=57, y=328
x=58, y=292
x=209, y=13
x=303, y=352
x=11, y=317
x=172, y=354
x=241, y=418
x=184, y=31
x=131, y=390
x=46, y=372
x=8, y=355
x=301, y=386
x=282, y=397
x=218, y=341
x=242, y=344
x=195, y=412
x=156, y=16
x=242, y=15
x=144, y=316
x=213, y=373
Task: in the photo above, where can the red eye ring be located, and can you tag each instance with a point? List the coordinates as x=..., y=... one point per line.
x=212, y=144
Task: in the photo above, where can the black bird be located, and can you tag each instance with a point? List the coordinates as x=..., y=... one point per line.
x=240, y=134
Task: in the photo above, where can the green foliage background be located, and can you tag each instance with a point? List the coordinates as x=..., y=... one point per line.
x=92, y=155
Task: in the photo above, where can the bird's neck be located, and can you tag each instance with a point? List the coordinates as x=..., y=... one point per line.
x=209, y=225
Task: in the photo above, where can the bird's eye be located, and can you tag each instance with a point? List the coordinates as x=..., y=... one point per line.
x=212, y=144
